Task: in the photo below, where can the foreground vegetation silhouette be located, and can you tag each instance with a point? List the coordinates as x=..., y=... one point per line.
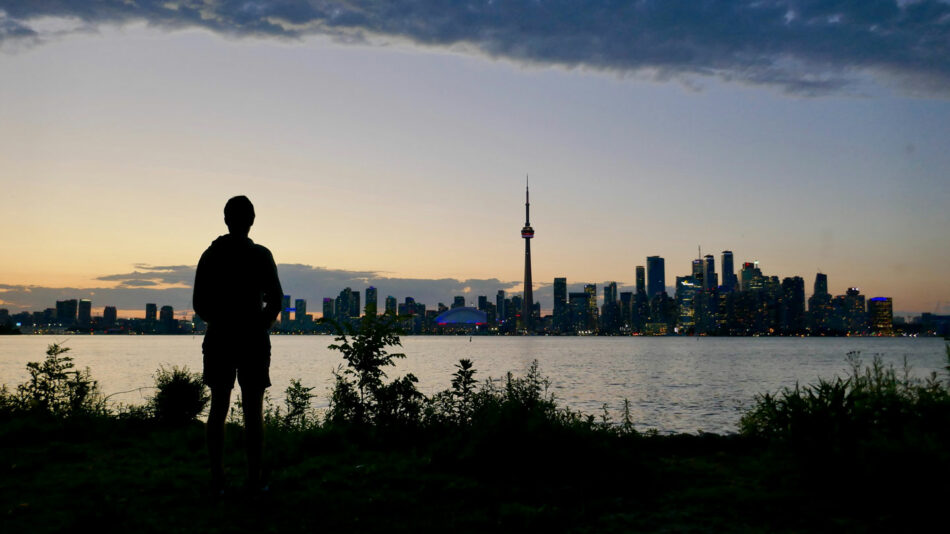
x=858, y=453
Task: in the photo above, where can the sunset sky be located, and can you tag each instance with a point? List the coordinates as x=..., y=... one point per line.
x=388, y=143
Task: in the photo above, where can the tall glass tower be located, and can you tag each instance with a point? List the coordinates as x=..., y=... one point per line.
x=656, y=276
x=527, y=233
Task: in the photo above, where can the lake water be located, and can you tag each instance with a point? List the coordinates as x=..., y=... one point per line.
x=675, y=384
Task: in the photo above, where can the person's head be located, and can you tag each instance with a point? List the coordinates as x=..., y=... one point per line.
x=239, y=215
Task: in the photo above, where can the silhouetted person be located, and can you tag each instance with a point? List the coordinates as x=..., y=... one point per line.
x=238, y=294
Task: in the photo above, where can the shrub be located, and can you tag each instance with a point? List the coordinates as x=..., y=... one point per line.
x=359, y=393
x=298, y=414
x=874, y=401
x=181, y=396
x=55, y=387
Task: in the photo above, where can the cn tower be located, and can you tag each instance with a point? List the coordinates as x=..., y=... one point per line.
x=527, y=233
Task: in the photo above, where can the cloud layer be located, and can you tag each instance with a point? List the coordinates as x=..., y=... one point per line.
x=801, y=46
x=171, y=285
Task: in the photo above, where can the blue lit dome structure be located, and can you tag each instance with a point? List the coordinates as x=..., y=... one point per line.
x=463, y=316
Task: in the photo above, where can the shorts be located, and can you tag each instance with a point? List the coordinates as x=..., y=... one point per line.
x=252, y=372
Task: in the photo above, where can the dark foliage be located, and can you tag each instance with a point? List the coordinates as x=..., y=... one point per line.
x=872, y=402
x=56, y=388
x=181, y=396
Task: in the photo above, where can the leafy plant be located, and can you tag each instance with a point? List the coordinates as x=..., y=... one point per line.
x=57, y=388
x=298, y=414
x=872, y=401
x=181, y=396
x=359, y=393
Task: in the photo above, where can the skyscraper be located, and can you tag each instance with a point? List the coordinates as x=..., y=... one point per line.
x=300, y=311
x=355, y=304
x=372, y=300
x=166, y=318
x=500, y=310
x=641, y=280
x=710, y=278
x=285, y=310
x=792, y=311
x=327, y=308
x=820, y=306
x=821, y=284
x=109, y=316
x=527, y=233
x=391, y=305
x=881, y=313
x=66, y=311
x=560, y=304
x=656, y=276
x=458, y=302
x=151, y=312
x=84, y=317
x=592, y=313
x=729, y=282
x=698, y=267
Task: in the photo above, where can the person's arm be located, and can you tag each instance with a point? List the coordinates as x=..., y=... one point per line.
x=200, y=299
x=273, y=293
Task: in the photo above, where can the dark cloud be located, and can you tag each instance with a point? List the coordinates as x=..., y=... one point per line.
x=171, y=285
x=802, y=46
x=147, y=275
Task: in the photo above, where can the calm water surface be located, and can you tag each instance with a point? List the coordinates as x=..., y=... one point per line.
x=674, y=384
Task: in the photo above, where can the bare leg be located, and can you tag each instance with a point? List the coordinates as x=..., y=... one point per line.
x=254, y=429
x=220, y=402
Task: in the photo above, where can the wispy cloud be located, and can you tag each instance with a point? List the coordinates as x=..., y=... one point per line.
x=801, y=46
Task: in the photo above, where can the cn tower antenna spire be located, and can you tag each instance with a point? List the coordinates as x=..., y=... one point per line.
x=527, y=202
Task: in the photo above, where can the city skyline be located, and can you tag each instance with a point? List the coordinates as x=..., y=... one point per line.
x=379, y=155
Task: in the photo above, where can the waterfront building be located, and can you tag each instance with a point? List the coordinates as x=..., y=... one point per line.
x=166, y=319
x=66, y=311
x=710, y=278
x=792, y=310
x=579, y=312
x=626, y=310
x=656, y=276
x=698, y=268
x=372, y=300
x=84, y=313
x=482, y=303
x=641, y=279
x=355, y=309
x=458, y=302
x=151, y=312
x=391, y=305
x=500, y=310
x=109, y=316
x=881, y=315
x=820, y=307
x=610, y=316
x=527, y=233
x=594, y=316
x=687, y=287
x=285, y=310
x=300, y=312
x=821, y=284
x=855, y=311
x=560, y=305
x=328, y=308
x=729, y=281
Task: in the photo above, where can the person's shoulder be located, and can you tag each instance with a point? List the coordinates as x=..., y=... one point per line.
x=262, y=251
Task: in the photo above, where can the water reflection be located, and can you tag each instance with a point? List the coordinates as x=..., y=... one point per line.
x=674, y=384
